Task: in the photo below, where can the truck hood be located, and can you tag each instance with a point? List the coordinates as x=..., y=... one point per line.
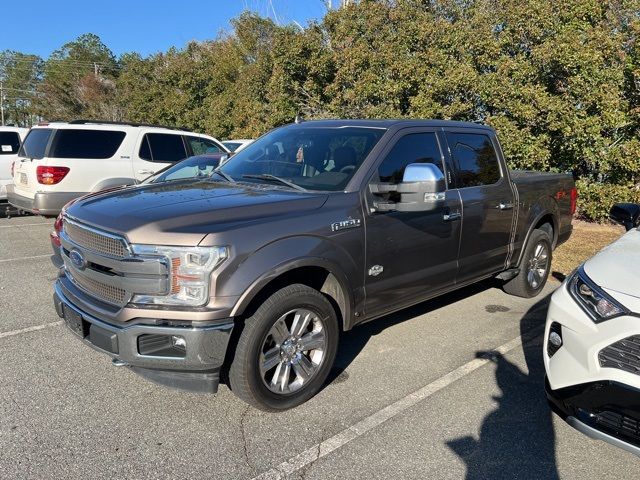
x=617, y=267
x=182, y=213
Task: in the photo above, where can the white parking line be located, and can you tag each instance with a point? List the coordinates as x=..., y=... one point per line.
x=349, y=434
x=23, y=258
x=17, y=225
x=13, y=333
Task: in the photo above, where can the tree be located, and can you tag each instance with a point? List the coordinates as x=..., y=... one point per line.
x=19, y=74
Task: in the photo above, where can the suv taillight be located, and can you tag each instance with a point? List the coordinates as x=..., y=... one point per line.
x=50, y=175
x=574, y=200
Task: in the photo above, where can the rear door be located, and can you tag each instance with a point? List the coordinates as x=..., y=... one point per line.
x=156, y=151
x=487, y=202
x=410, y=255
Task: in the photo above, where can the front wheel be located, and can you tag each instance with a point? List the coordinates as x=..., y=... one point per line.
x=535, y=267
x=286, y=349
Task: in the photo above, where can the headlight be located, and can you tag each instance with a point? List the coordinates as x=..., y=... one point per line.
x=594, y=300
x=190, y=272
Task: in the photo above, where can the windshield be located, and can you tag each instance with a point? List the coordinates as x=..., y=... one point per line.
x=315, y=158
x=193, y=167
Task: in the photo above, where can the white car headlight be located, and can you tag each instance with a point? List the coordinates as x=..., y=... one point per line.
x=599, y=305
x=190, y=273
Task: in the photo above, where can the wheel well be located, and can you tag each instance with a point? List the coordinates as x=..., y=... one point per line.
x=318, y=278
x=546, y=224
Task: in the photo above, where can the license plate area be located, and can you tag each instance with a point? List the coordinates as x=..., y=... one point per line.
x=75, y=322
x=24, y=180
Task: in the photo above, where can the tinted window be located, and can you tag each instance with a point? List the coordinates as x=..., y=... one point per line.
x=165, y=147
x=475, y=159
x=232, y=145
x=35, y=144
x=9, y=143
x=201, y=146
x=145, y=150
x=315, y=158
x=412, y=148
x=85, y=143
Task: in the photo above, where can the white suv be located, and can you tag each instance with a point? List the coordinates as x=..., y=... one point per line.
x=10, y=140
x=62, y=161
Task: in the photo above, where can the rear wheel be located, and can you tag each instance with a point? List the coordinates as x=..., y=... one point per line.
x=535, y=267
x=286, y=349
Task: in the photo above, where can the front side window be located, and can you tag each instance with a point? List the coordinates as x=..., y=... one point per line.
x=202, y=146
x=90, y=144
x=412, y=148
x=162, y=147
x=9, y=143
x=475, y=159
x=315, y=158
x=35, y=145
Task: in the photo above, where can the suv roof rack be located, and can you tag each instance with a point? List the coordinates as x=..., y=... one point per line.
x=130, y=124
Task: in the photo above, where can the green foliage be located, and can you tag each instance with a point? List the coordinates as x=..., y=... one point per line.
x=560, y=81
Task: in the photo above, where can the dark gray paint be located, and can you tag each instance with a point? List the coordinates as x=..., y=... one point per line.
x=271, y=230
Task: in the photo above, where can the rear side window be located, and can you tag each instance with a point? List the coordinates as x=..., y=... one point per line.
x=93, y=144
x=475, y=159
x=35, y=145
x=9, y=143
x=202, y=146
x=162, y=147
x=412, y=148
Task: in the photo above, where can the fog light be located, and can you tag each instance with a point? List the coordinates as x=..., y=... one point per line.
x=555, y=339
x=178, y=341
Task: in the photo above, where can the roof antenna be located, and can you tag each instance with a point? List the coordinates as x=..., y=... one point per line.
x=299, y=118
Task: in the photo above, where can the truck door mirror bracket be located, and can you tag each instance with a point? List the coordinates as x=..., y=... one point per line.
x=422, y=189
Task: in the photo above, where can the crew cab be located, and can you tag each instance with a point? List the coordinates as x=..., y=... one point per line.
x=61, y=161
x=312, y=229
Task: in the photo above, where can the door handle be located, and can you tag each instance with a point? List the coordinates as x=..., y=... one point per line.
x=451, y=216
x=146, y=172
x=505, y=206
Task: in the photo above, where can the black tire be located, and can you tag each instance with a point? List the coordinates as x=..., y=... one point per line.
x=522, y=285
x=245, y=376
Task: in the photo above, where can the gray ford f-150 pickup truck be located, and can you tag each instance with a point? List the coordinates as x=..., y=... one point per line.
x=312, y=229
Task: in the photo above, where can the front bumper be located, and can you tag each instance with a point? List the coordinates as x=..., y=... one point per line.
x=606, y=411
x=43, y=203
x=596, y=395
x=198, y=370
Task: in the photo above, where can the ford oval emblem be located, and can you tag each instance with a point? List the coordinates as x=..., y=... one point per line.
x=77, y=259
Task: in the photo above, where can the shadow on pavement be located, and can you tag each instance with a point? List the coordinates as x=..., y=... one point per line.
x=353, y=341
x=517, y=439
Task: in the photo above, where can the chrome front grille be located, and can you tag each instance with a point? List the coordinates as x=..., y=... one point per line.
x=107, y=293
x=95, y=241
x=623, y=354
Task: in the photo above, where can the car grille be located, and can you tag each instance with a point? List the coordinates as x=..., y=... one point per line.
x=107, y=293
x=621, y=424
x=623, y=355
x=95, y=241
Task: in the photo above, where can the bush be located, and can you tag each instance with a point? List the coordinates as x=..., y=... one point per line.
x=596, y=199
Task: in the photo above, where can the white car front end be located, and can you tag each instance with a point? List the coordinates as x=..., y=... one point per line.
x=592, y=345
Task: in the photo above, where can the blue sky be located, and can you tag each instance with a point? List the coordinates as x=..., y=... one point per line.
x=144, y=26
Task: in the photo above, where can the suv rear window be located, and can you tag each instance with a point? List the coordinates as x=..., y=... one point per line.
x=9, y=143
x=35, y=145
x=162, y=147
x=94, y=144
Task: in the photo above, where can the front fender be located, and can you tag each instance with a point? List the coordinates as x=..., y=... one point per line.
x=256, y=270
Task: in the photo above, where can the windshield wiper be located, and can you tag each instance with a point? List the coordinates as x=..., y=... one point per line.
x=226, y=176
x=268, y=176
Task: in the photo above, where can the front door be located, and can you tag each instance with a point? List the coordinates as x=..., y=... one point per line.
x=410, y=255
x=487, y=203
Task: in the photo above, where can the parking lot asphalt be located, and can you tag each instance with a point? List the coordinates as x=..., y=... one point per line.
x=451, y=388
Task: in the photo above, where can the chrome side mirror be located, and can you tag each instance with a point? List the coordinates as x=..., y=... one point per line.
x=422, y=189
